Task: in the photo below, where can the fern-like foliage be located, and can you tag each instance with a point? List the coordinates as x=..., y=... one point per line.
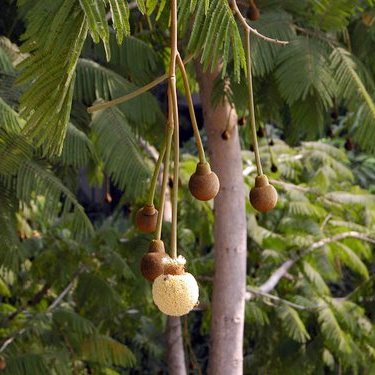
x=33, y=177
x=275, y=24
x=215, y=34
x=303, y=74
x=54, y=48
x=351, y=78
x=332, y=15
x=123, y=159
x=78, y=148
x=134, y=59
x=46, y=103
x=94, y=81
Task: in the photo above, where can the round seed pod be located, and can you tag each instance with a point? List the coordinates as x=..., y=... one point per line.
x=274, y=168
x=175, y=295
x=225, y=135
x=349, y=144
x=152, y=264
x=252, y=12
x=241, y=121
x=263, y=196
x=260, y=132
x=146, y=219
x=204, y=184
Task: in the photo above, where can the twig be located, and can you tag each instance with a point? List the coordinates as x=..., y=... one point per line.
x=280, y=272
x=134, y=94
x=241, y=18
x=53, y=305
x=250, y=292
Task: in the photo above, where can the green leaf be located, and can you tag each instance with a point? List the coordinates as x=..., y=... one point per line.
x=119, y=149
x=107, y=351
x=49, y=72
x=351, y=77
x=292, y=323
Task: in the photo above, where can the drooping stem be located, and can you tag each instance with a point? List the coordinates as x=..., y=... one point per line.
x=251, y=105
x=127, y=97
x=150, y=200
x=198, y=140
x=248, y=28
x=134, y=94
x=167, y=157
x=174, y=110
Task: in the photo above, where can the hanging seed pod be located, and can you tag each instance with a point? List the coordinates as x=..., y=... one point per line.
x=204, y=184
x=152, y=264
x=260, y=132
x=175, y=293
x=108, y=198
x=146, y=219
x=349, y=145
x=253, y=12
x=251, y=148
x=263, y=196
x=241, y=121
x=225, y=135
x=274, y=168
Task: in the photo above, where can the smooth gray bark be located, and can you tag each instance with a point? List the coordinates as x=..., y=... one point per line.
x=228, y=299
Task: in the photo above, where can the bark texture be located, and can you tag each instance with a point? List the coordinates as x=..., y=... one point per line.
x=228, y=299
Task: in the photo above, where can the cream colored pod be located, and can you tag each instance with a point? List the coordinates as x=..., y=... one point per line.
x=175, y=292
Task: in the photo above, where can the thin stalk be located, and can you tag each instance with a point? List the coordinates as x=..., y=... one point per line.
x=151, y=194
x=134, y=94
x=167, y=157
x=251, y=105
x=198, y=140
x=174, y=110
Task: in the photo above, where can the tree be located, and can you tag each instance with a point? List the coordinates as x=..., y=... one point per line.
x=295, y=84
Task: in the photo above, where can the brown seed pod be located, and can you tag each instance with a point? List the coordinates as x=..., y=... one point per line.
x=241, y=121
x=253, y=12
x=349, y=144
x=173, y=269
x=225, y=135
x=204, y=184
x=108, y=198
x=274, y=168
x=146, y=219
x=260, y=132
x=251, y=148
x=152, y=262
x=263, y=196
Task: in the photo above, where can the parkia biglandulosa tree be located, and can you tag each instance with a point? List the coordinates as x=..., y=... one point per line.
x=350, y=71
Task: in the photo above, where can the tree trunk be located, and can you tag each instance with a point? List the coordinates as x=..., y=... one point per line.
x=173, y=332
x=228, y=299
x=175, y=347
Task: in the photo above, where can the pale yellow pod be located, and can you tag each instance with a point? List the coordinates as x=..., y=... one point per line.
x=175, y=295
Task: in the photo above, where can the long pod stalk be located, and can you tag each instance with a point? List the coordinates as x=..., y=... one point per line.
x=251, y=105
x=151, y=194
x=174, y=110
x=194, y=124
x=167, y=157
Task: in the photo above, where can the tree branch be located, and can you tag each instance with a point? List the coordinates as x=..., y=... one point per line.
x=134, y=94
x=247, y=27
x=280, y=272
x=53, y=305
